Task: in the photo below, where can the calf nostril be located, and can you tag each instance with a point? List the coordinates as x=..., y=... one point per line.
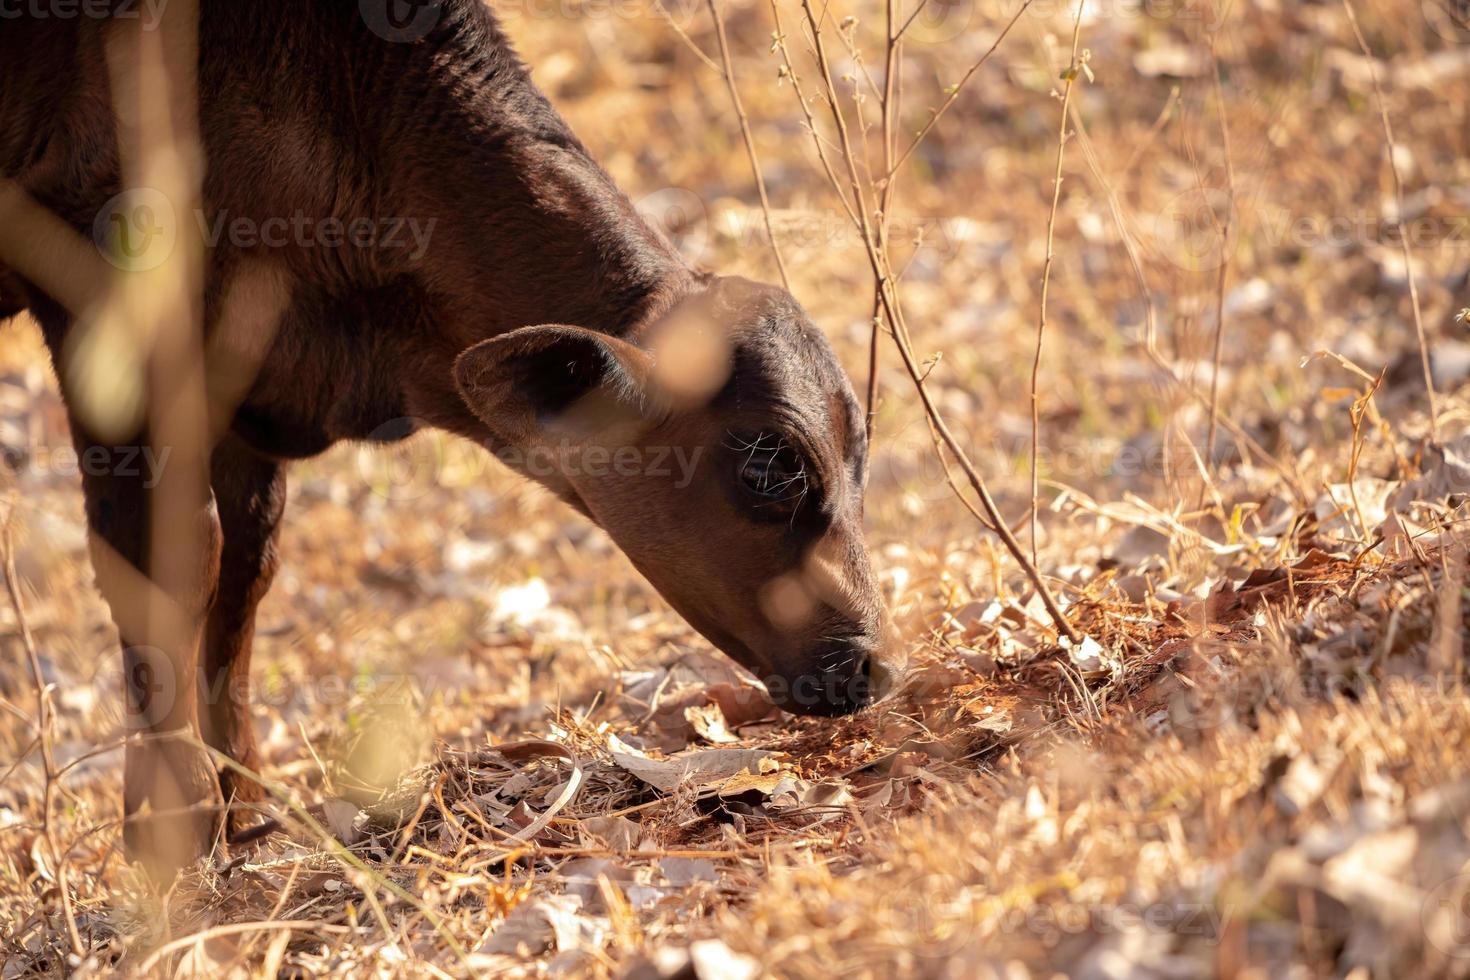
x=863, y=692
x=881, y=680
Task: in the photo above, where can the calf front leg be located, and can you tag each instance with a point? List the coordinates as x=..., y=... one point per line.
x=171, y=802
x=250, y=493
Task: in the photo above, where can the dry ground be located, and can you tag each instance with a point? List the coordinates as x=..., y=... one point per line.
x=1262, y=763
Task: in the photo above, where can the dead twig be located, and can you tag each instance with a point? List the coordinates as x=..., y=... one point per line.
x=889, y=108
x=44, y=722
x=1398, y=218
x=955, y=90
x=235, y=929
x=887, y=292
x=1077, y=65
x=1225, y=228
x=1360, y=409
x=728, y=71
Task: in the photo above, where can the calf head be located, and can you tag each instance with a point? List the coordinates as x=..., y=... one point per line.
x=722, y=449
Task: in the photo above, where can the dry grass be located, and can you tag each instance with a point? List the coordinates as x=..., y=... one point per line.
x=1260, y=762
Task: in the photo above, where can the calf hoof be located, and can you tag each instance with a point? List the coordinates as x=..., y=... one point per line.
x=247, y=837
x=246, y=823
x=174, y=811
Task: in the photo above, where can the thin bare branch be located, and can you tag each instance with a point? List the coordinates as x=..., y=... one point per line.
x=892, y=61
x=683, y=36
x=1398, y=218
x=1223, y=273
x=824, y=67
x=44, y=721
x=1075, y=67
x=1150, y=347
x=893, y=312
x=789, y=72
x=955, y=90
x=728, y=71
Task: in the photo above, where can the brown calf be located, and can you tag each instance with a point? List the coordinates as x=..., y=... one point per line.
x=523, y=304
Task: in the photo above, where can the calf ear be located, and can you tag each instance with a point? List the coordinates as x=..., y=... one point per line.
x=568, y=379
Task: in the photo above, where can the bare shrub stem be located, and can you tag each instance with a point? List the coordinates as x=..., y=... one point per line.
x=44, y=724
x=1223, y=273
x=890, y=109
x=1170, y=375
x=886, y=284
x=1398, y=218
x=728, y=71
x=1074, y=68
x=955, y=90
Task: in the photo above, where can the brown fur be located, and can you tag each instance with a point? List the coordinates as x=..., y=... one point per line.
x=304, y=110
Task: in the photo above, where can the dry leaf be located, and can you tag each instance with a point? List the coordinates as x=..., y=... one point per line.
x=554, y=921
x=698, y=767
x=764, y=783
x=713, y=960
x=685, y=871
x=618, y=833
x=709, y=724
x=341, y=817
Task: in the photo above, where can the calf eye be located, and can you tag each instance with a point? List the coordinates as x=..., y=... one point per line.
x=771, y=469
